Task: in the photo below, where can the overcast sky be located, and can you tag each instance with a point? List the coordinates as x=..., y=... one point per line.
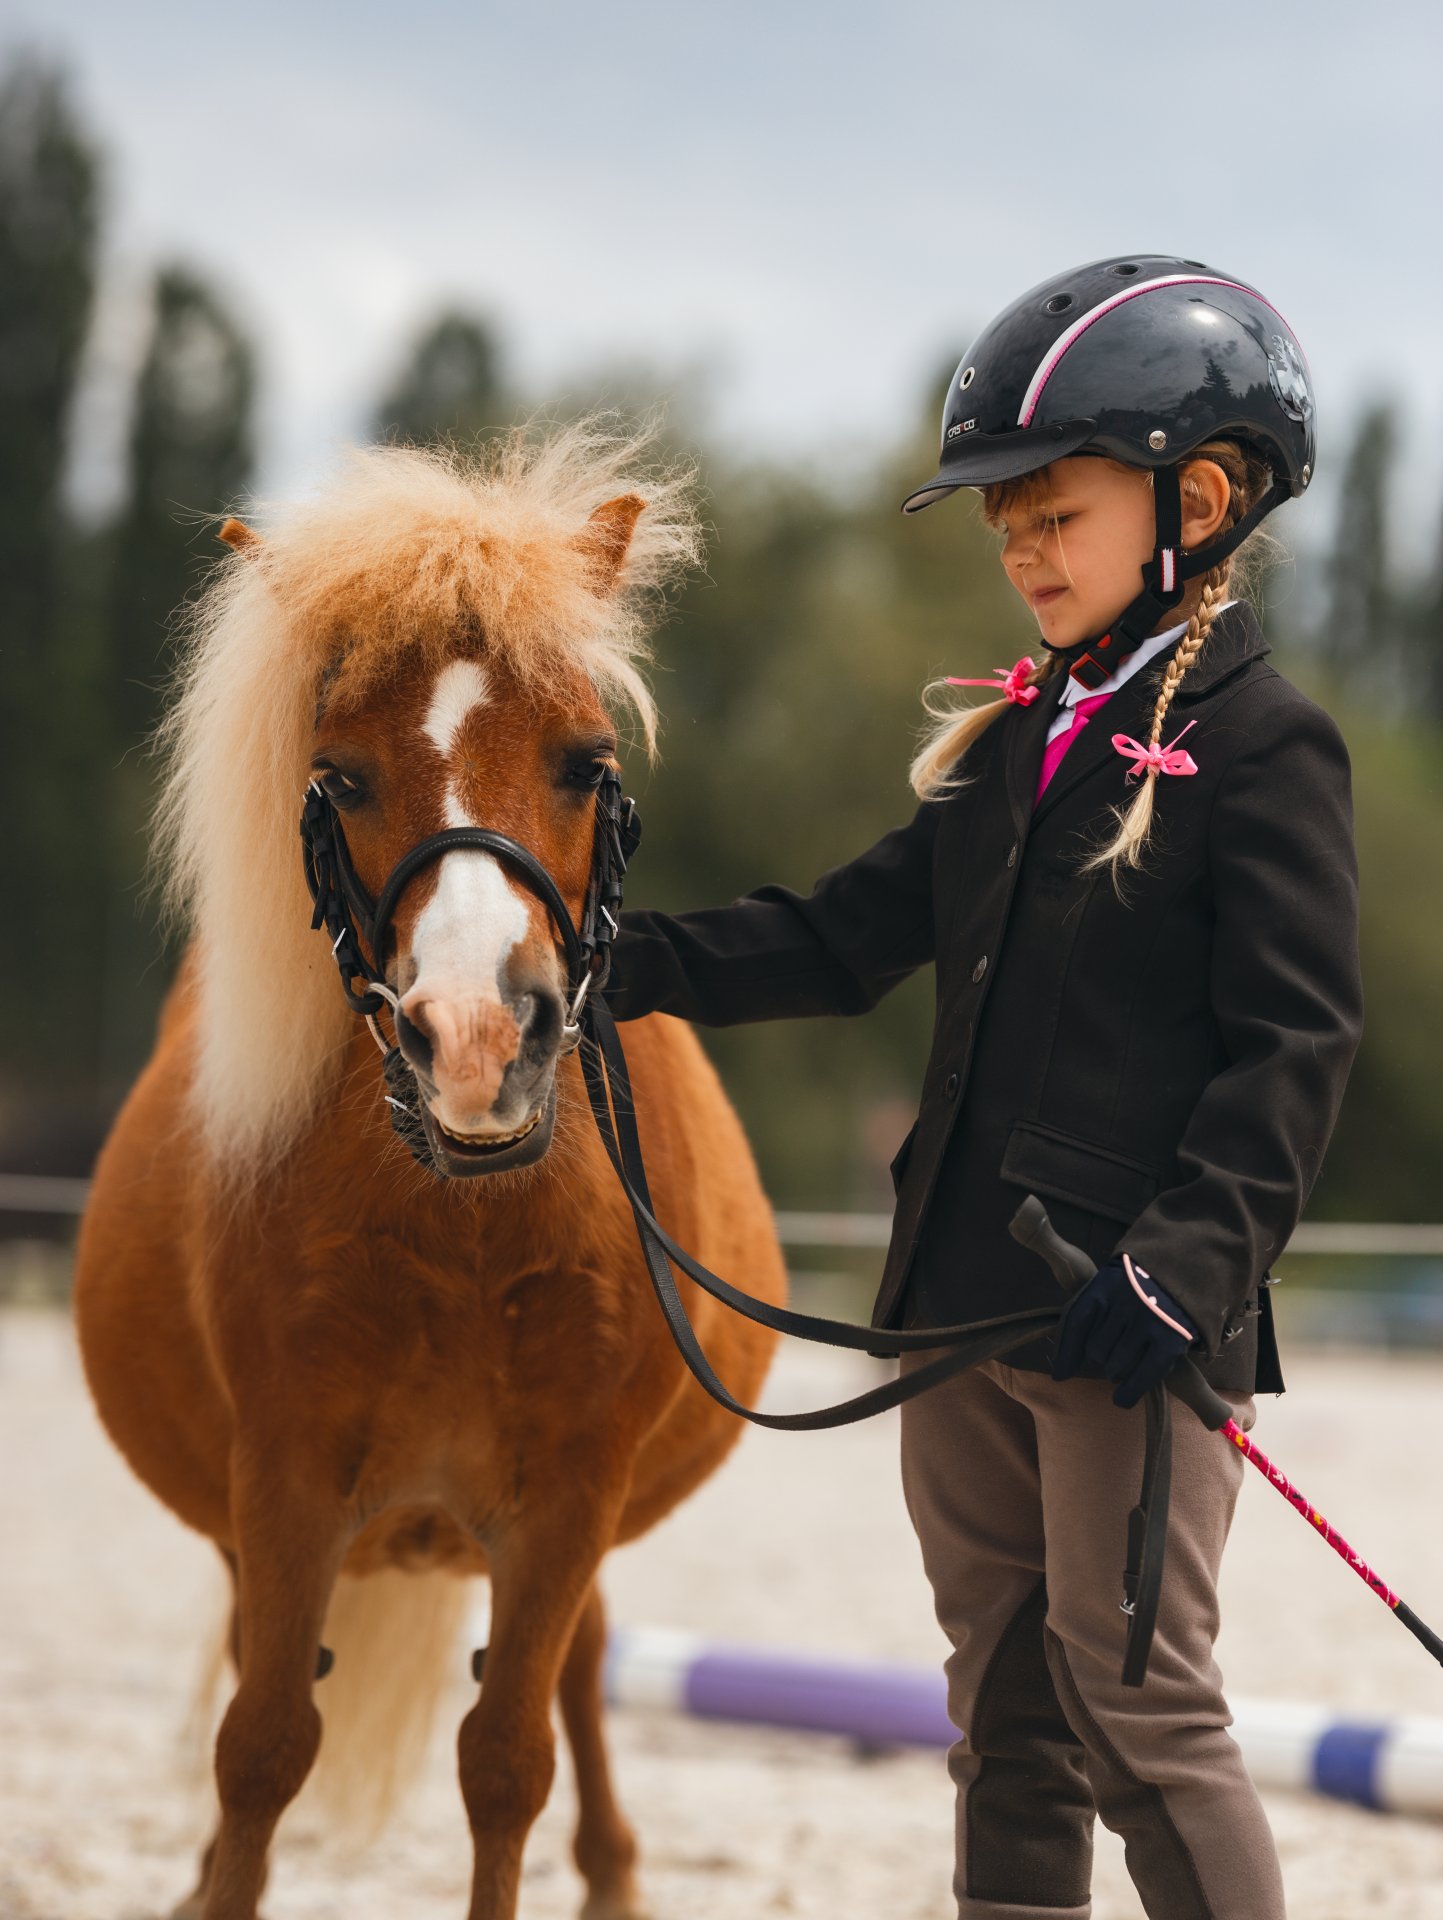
x=817, y=203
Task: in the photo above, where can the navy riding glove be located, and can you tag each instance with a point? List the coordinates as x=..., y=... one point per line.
x=1126, y=1326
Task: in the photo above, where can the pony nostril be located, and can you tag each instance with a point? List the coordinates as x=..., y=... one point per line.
x=540, y=1015
x=414, y=1035
x=414, y=1012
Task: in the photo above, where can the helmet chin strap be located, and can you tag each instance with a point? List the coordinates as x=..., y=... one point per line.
x=1164, y=580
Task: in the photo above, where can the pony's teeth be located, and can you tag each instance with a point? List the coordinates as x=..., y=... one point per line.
x=491, y=1139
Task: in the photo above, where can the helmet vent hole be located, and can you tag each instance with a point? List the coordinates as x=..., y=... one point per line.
x=969, y=374
x=1059, y=303
x=1127, y=270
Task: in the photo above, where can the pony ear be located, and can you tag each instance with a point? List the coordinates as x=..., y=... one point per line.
x=239, y=537
x=607, y=535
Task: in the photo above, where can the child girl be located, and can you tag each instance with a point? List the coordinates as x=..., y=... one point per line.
x=1135, y=874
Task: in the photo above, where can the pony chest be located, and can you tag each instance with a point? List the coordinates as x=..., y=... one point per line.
x=421, y=1387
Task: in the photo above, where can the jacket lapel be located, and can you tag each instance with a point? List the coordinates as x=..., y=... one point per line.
x=1129, y=710
x=1026, y=740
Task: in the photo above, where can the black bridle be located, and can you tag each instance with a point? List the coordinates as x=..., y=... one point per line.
x=341, y=904
x=347, y=912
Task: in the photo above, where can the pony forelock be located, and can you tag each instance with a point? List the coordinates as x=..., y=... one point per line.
x=400, y=553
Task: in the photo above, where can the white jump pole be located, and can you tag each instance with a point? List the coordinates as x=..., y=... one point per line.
x=1394, y=1766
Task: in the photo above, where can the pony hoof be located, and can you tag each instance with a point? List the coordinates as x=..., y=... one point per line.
x=193, y=1908
x=615, y=1906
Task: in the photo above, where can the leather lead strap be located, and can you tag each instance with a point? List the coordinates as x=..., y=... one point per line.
x=605, y=1070
x=1147, y=1538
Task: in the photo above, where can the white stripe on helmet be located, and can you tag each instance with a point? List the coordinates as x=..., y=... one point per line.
x=1074, y=333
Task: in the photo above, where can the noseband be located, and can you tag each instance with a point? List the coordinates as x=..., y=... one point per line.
x=360, y=926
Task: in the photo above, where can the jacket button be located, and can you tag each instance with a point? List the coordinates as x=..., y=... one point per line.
x=1012, y=855
x=980, y=968
x=950, y=1086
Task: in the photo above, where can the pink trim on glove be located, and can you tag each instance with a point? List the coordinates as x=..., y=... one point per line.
x=1149, y=1300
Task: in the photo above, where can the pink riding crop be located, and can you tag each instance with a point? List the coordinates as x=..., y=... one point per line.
x=1071, y=1267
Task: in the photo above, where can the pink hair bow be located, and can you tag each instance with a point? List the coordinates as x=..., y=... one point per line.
x=1169, y=759
x=1012, y=685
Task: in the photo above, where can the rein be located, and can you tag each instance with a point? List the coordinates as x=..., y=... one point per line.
x=346, y=910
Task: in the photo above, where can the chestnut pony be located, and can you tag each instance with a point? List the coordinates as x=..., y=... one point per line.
x=330, y=1360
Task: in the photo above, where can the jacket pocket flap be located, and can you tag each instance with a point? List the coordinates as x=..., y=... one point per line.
x=1047, y=1161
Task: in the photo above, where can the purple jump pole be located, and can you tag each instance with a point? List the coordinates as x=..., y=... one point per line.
x=1393, y=1765
x=879, y=1706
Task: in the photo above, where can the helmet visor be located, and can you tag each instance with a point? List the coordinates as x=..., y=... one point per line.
x=984, y=459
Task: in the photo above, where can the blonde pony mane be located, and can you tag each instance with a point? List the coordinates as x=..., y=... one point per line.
x=394, y=558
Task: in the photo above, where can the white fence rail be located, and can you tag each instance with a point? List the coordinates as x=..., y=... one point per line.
x=1407, y=1316
x=53, y=1195
x=42, y=1193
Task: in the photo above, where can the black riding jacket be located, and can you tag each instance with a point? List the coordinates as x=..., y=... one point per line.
x=1164, y=1071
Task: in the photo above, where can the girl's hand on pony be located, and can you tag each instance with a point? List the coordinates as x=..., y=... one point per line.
x=1123, y=1323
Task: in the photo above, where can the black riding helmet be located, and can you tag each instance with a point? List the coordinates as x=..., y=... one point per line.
x=1142, y=357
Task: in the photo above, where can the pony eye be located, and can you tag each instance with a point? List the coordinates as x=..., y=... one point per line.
x=339, y=788
x=586, y=773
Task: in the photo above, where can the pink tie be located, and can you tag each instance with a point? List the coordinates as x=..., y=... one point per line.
x=1052, y=758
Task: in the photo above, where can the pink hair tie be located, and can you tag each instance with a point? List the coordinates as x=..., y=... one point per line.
x=1012, y=685
x=1168, y=759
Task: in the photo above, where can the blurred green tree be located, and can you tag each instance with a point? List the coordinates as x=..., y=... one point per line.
x=450, y=387
x=1424, y=636
x=1358, y=643
x=49, y=211
x=190, y=457
x=1384, y=1159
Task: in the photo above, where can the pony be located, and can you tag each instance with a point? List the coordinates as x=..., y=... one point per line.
x=340, y=1366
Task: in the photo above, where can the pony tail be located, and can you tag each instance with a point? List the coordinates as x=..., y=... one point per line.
x=933, y=772
x=1134, y=825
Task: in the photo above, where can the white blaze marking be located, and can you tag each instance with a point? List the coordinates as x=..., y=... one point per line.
x=460, y=686
x=474, y=918
x=466, y=929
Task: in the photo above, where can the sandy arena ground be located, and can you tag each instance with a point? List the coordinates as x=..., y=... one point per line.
x=800, y=1541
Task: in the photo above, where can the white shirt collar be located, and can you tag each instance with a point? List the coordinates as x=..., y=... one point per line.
x=1074, y=690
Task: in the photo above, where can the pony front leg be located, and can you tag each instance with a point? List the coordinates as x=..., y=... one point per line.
x=288, y=1551
x=605, y=1844
x=540, y=1580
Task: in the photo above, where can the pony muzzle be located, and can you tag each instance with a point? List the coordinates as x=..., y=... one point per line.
x=470, y=1044
x=485, y=1072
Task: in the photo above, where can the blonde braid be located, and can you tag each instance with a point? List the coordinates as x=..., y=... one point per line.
x=1129, y=843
